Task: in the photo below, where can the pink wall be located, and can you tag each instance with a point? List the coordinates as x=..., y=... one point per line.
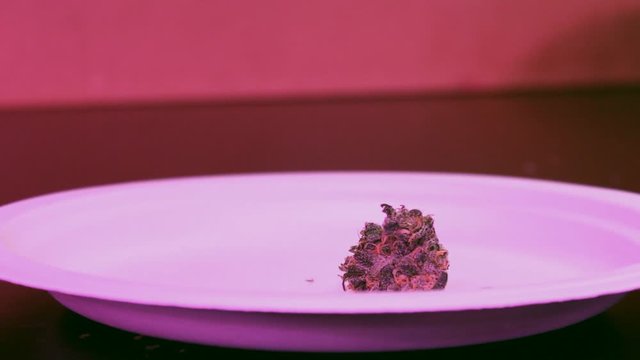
x=75, y=51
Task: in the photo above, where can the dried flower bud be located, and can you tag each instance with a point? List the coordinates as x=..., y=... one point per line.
x=401, y=255
x=372, y=232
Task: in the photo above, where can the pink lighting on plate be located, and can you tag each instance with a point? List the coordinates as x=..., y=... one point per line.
x=235, y=252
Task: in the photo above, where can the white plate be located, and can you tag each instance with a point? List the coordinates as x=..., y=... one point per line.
x=225, y=260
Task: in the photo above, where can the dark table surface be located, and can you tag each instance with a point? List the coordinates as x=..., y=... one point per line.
x=590, y=137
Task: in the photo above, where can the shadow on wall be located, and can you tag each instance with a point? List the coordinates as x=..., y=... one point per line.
x=605, y=49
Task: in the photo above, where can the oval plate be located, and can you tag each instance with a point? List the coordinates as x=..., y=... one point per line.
x=251, y=260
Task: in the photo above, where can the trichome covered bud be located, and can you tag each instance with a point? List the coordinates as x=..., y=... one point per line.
x=402, y=254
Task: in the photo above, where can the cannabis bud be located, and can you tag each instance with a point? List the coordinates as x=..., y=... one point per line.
x=403, y=254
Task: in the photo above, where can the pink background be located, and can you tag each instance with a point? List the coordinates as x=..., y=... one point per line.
x=85, y=52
